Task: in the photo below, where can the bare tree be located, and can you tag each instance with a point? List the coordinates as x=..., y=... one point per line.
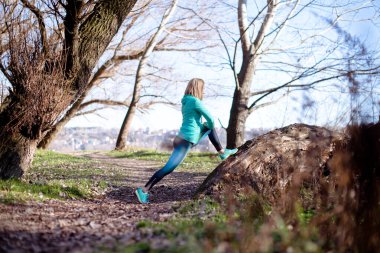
x=48, y=57
x=120, y=143
x=310, y=55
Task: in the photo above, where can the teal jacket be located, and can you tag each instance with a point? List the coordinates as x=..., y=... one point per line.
x=192, y=111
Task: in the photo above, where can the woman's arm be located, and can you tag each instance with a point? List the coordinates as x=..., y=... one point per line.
x=205, y=113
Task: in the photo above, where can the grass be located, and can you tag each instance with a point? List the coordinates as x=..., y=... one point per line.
x=194, y=162
x=194, y=221
x=201, y=225
x=247, y=225
x=61, y=176
x=44, y=158
x=12, y=191
x=56, y=176
x=52, y=165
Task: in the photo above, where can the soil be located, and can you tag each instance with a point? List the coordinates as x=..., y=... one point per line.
x=97, y=224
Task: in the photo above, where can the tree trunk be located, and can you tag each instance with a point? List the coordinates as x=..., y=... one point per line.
x=16, y=155
x=19, y=138
x=239, y=109
x=123, y=134
x=270, y=163
x=50, y=136
x=250, y=54
x=238, y=117
x=124, y=130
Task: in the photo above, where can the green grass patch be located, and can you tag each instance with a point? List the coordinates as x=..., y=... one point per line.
x=194, y=221
x=194, y=162
x=57, y=176
x=13, y=191
x=52, y=165
x=44, y=158
x=176, y=235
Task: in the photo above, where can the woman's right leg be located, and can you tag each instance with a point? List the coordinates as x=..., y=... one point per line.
x=215, y=140
x=213, y=136
x=181, y=148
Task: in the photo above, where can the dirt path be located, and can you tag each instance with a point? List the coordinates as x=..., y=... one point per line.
x=86, y=225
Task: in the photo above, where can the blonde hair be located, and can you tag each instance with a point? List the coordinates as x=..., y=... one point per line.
x=195, y=88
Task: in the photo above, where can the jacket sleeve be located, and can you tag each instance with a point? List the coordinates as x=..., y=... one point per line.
x=205, y=113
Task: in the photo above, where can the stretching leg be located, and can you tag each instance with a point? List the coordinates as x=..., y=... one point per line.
x=181, y=148
x=212, y=135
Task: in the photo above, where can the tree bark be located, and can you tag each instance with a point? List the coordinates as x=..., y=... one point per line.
x=16, y=155
x=124, y=130
x=50, y=136
x=273, y=162
x=239, y=109
x=238, y=117
x=17, y=148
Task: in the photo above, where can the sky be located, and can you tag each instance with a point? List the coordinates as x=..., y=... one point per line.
x=331, y=103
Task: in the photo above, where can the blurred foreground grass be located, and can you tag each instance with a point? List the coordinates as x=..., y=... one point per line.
x=245, y=225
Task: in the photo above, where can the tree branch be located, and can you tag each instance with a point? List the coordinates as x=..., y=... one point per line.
x=267, y=22
x=184, y=49
x=251, y=109
x=103, y=102
x=167, y=101
x=275, y=89
x=148, y=50
x=283, y=24
x=89, y=112
x=71, y=43
x=41, y=24
x=270, y=91
x=134, y=56
x=4, y=71
x=243, y=25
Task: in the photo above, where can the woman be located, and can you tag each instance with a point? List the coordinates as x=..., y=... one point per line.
x=191, y=132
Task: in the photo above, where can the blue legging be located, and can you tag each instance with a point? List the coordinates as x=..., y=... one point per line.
x=181, y=148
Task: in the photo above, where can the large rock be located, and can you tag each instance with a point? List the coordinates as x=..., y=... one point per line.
x=270, y=163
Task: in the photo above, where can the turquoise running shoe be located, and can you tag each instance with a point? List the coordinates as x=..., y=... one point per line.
x=227, y=153
x=142, y=196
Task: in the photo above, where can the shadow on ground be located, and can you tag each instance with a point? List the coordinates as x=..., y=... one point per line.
x=59, y=241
